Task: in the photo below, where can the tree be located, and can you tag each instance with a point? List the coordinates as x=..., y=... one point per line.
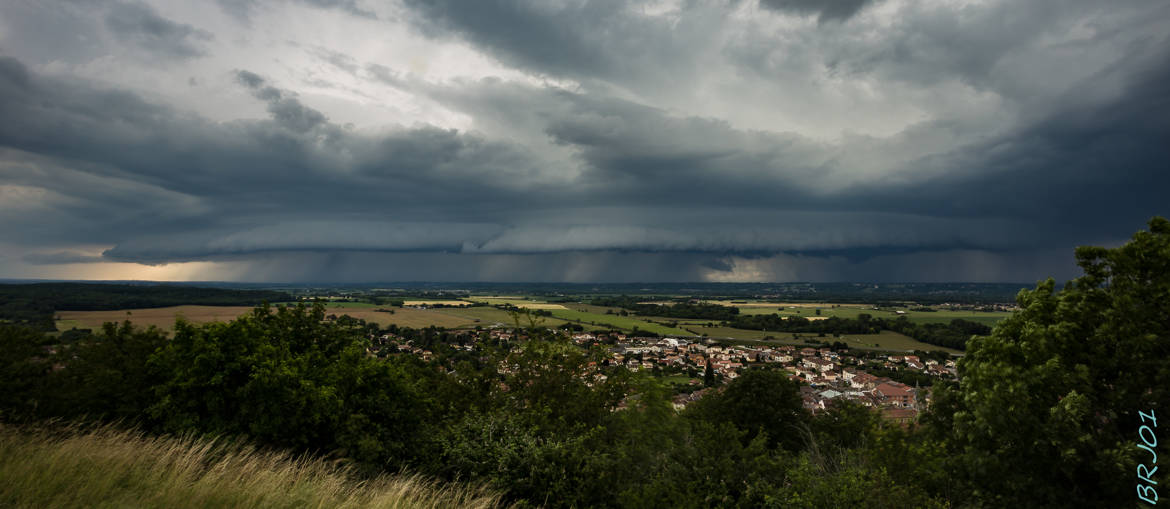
x=108, y=375
x=759, y=402
x=556, y=385
x=844, y=425
x=1048, y=406
x=291, y=379
x=708, y=374
x=22, y=367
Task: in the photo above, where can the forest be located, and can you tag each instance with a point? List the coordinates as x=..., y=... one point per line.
x=702, y=310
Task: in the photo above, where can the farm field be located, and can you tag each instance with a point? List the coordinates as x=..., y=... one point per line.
x=436, y=302
x=335, y=304
x=719, y=332
x=888, y=340
x=988, y=319
x=851, y=311
x=620, y=322
x=402, y=317
x=809, y=310
x=587, y=315
x=885, y=340
x=772, y=305
x=590, y=308
x=519, y=302
x=731, y=333
x=489, y=316
x=163, y=318
x=842, y=312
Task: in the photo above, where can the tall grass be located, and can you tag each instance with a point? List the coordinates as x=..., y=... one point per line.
x=108, y=467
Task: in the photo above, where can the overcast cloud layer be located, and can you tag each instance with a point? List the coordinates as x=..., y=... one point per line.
x=573, y=140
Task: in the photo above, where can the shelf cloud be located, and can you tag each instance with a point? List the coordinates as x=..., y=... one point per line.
x=513, y=140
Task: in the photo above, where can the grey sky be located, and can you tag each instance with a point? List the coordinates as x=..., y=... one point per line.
x=576, y=140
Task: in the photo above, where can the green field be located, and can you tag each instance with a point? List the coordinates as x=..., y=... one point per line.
x=718, y=332
x=487, y=316
x=435, y=302
x=590, y=308
x=885, y=340
x=888, y=340
x=589, y=319
x=519, y=302
x=851, y=311
x=988, y=319
x=587, y=315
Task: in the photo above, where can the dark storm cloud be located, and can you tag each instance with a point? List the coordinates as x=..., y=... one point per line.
x=1090, y=165
x=826, y=10
x=349, y=6
x=525, y=32
x=699, y=185
x=286, y=111
x=244, y=10
x=606, y=40
x=610, y=174
x=1078, y=164
x=61, y=257
x=140, y=25
x=196, y=182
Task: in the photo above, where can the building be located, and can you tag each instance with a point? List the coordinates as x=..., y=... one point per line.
x=895, y=394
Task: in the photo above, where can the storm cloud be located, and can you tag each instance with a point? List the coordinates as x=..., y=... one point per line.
x=581, y=141
x=140, y=25
x=826, y=10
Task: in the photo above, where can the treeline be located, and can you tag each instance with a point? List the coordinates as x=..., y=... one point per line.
x=950, y=335
x=685, y=309
x=34, y=304
x=541, y=422
x=539, y=430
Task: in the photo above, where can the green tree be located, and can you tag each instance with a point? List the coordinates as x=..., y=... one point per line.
x=759, y=401
x=843, y=425
x=1047, y=409
x=23, y=366
x=107, y=375
x=290, y=378
x=558, y=386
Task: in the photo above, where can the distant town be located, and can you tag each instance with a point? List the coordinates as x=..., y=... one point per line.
x=827, y=374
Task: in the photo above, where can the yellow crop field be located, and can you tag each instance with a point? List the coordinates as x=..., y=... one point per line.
x=436, y=303
x=519, y=302
x=163, y=318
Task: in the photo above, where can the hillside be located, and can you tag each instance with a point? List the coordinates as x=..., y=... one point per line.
x=115, y=468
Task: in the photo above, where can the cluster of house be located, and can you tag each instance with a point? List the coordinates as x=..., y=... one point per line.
x=826, y=375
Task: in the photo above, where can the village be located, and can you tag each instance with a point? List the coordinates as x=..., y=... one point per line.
x=825, y=374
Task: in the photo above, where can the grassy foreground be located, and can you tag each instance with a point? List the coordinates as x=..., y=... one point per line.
x=107, y=467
